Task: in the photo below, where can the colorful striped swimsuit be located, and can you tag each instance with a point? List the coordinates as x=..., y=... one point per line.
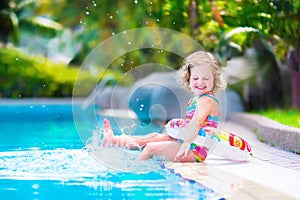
x=210, y=123
x=228, y=145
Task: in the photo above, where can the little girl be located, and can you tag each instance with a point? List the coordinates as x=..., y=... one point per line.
x=201, y=75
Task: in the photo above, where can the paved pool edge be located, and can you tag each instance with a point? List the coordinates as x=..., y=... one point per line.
x=269, y=131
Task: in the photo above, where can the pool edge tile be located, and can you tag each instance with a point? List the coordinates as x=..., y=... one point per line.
x=225, y=185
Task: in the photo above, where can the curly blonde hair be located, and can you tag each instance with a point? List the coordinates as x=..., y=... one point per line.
x=196, y=59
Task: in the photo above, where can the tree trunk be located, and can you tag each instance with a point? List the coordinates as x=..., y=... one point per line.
x=268, y=87
x=294, y=65
x=193, y=16
x=217, y=14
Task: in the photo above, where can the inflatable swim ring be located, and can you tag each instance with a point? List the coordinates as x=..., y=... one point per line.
x=224, y=144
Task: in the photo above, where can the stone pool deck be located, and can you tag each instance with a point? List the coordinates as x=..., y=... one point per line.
x=271, y=173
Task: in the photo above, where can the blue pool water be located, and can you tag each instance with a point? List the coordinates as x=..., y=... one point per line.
x=42, y=156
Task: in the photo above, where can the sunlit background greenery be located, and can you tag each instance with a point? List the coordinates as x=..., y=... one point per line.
x=43, y=42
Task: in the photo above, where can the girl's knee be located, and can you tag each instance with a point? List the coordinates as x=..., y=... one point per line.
x=150, y=147
x=148, y=151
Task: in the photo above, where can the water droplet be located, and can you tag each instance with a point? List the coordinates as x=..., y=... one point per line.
x=87, y=13
x=17, y=58
x=157, y=20
x=135, y=1
x=113, y=33
x=142, y=105
x=111, y=17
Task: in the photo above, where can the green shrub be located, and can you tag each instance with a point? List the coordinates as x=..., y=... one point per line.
x=289, y=117
x=25, y=76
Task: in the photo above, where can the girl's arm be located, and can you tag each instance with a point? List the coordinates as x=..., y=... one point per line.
x=203, y=109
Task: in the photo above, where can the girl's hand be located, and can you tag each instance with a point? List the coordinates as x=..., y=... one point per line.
x=183, y=151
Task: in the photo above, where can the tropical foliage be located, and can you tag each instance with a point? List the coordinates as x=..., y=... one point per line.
x=227, y=28
x=34, y=76
x=19, y=14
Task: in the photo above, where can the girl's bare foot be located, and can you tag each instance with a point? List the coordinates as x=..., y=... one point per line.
x=109, y=138
x=126, y=141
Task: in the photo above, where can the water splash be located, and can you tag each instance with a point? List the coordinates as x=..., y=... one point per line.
x=59, y=164
x=117, y=158
x=62, y=170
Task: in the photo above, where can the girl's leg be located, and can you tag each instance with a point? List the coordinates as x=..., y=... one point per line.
x=165, y=149
x=132, y=142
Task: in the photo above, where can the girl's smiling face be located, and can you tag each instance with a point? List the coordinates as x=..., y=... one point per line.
x=201, y=79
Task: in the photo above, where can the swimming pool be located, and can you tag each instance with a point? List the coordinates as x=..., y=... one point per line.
x=43, y=157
